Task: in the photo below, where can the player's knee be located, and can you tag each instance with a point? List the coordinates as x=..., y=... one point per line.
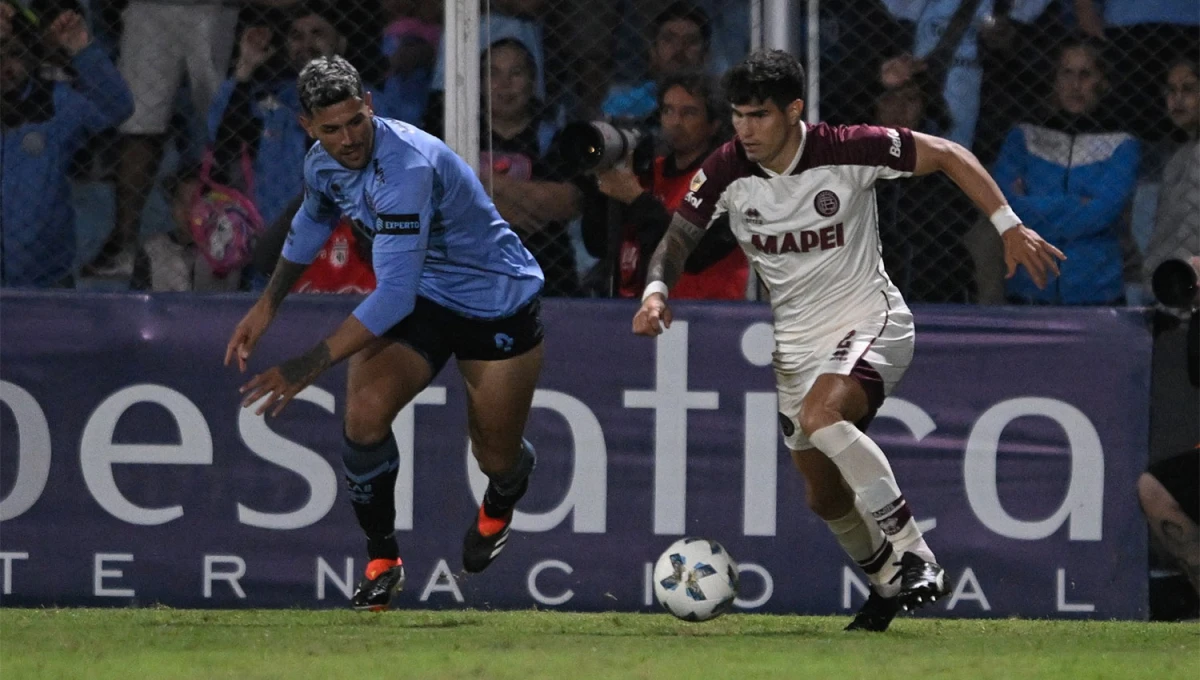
x=367, y=419
x=815, y=417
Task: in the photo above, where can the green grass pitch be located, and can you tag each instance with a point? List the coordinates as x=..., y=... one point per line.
x=300, y=644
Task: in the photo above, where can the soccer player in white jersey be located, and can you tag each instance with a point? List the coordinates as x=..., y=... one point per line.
x=800, y=199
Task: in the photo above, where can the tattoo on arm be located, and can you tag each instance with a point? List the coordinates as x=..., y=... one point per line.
x=305, y=368
x=666, y=264
x=285, y=276
x=1183, y=543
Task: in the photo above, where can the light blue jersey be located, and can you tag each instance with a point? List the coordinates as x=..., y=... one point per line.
x=434, y=230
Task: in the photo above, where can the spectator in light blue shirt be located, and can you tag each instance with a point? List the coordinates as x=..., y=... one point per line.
x=682, y=34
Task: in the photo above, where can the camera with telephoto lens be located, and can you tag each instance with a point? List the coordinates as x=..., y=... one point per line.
x=596, y=146
x=1176, y=284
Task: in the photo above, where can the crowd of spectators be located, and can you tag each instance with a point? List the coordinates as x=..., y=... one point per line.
x=1079, y=107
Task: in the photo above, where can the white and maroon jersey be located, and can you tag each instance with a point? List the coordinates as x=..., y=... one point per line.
x=811, y=233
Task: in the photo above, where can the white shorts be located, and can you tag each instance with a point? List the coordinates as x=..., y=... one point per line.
x=876, y=351
x=161, y=43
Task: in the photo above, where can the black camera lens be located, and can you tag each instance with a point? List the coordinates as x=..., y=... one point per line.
x=595, y=146
x=1174, y=283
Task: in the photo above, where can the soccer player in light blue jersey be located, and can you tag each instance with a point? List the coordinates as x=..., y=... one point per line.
x=452, y=279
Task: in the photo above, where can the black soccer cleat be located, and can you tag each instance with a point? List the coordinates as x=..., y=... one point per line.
x=921, y=582
x=384, y=578
x=479, y=550
x=876, y=614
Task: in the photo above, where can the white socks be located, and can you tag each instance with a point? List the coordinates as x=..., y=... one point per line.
x=860, y=536
x=866, y=470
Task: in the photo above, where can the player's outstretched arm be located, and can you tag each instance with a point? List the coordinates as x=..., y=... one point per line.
x=666, y=266
x=281, y=383
x=1022, y=245
x=256, y=321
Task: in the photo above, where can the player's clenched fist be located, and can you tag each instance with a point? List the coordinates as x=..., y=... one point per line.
x=652, y=317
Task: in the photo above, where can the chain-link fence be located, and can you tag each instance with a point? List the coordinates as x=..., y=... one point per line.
x=136, y=139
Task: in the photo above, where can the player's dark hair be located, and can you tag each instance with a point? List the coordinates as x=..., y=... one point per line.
x=700, y=86
x=765, y=75
x=326, y=81
x=687, y=12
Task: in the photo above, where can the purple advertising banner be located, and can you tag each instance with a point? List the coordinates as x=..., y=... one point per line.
x=130, y=476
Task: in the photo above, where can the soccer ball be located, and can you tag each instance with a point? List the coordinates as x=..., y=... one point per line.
x=696, y=579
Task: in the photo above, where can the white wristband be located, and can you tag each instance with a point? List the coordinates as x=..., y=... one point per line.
x=1004, y=218
x=654, y=287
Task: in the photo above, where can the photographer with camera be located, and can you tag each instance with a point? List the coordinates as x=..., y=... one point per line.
x=692, y=126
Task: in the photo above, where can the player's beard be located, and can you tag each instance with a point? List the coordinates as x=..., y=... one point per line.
x=358, y=157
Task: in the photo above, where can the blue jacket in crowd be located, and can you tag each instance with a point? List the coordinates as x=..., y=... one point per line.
x=1070, y=180
x=56, y=119
x=280, y=144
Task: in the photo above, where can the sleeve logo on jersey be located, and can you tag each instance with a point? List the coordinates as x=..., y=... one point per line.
x=826, y=203
x=698, y=181
x=895, y=137
x=398, y=225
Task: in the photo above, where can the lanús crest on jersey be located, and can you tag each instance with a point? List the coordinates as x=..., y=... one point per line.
x=698, y=180
x=827, y=203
